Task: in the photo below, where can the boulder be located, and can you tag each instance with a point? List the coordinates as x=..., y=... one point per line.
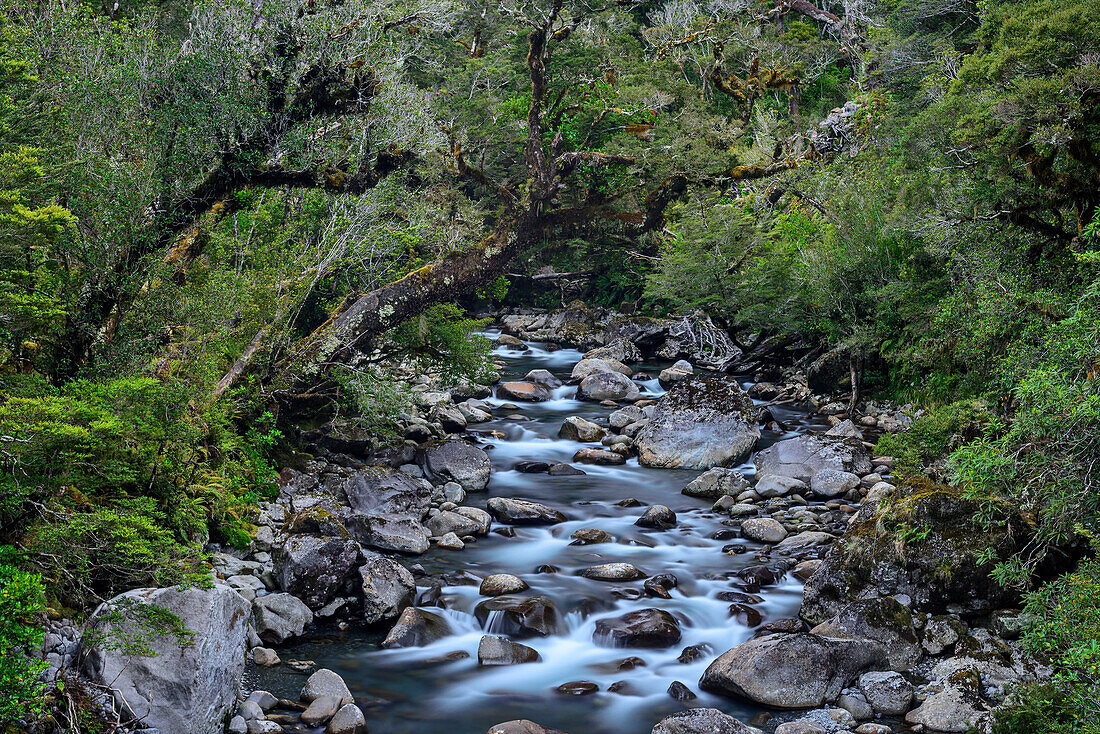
x=314, y=569
x=189, y=689
x=654, y=628
x=956, y=708
x=522, y=512
x=830, y=373
x=458, y=461
x=587, y=367
x=321, y=710
x=613, y=572
x=496, y=650
x=387, y=509
x=884, y=621
x=544, y=378
x=763, y=530
x=945, y=564
x=530, y=392
x=519, y=616
x=348, y=720
x=279, y=617
x=833, y=482
x=451, y=521
x=887, y=692
x=498, y=584
x=702, y=721
x=790, y=671
x=575, y=428
x=521, y=726
x=716, y=482
x=387, y=586
x=623, y=417
x=416, y=628
x=658, y=517
x=803, y=541
x=590, y=536
x=617, y=350
x=599, y=456
x=699, y=423
x=607, y=386
x=326, y=684
x=803, y=456
x=770, y=485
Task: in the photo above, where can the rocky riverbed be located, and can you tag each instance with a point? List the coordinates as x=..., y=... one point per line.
x=607, y=541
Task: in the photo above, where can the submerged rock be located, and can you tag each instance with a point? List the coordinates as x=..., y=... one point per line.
x=654, y=628
x=699, y=423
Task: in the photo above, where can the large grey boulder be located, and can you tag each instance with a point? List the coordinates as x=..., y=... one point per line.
x=387, y=509
x=588, y=366
x=278, y=617
x=388, y=587
x=884, y=621
x=702, y=721
x=619, y=350
x=314, y=569
x=804, y=456
x=607, y=386
x=790, y=671
x=715, y=482
x=522, y=512
x=184, y=690
x=887, y=692
x=458, y=461
x=699, y=423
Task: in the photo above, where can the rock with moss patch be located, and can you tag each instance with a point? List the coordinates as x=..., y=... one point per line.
x=314, y=569
x=701, y=422
x=884, y=621
x=804, y=456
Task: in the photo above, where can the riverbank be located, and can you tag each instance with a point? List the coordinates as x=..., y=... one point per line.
x=711, y=593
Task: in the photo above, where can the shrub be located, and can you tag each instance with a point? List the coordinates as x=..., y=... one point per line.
x=22, y=603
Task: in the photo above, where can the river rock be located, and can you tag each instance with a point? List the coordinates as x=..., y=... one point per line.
x=590, y=536
x=599, y=456
x=702, y=721
x=716, y=482
x=653, y=628
x=326, y=684
x=279, y=617
x=763, y=530
x=790, y=670
x=803, y=456
x=623, y=417
x=678, y=372
x=526, y=391
x=957, y=708
x=522, y=512
x=450, y=541
x=565, y=470
x=520, y=616
x=190, y=689
x=544, y=378
x=320, y=710
x=389, y=532
x=314, y=569
x=450, y=521
x=658, y=517
x=803, y=541
x=496, y=650
x=607, y=386
x=833, y=482
x=884, y=621
x=387, y=509
x=613, y=572
x=578, y=429
x=502, y=583
x=458, y=461
x=417, y=628
x=587, y=367
x=521, y=726
x=770, y=485
x=618, y=350
x=699, y=423
x=888, y=692
x=348, y=720
x=387, y=586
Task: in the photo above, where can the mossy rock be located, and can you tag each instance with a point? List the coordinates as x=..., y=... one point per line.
x=925, y=543
x=315, y=521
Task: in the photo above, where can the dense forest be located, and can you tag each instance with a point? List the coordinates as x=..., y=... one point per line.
x=227, y=226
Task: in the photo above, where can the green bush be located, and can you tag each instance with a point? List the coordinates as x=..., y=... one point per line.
x=936, y=434
x=22, y=604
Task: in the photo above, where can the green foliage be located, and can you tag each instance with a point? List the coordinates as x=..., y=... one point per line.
x=1063, y=630
x=22, y=607
x=444, y=339
x=936, y=434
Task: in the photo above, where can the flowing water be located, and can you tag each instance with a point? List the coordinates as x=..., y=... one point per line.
x=408, y=691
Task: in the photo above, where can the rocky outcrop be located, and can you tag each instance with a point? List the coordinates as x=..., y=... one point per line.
x=699, y=423
x=924, y=544
x=791, y=671
x=188, y=689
